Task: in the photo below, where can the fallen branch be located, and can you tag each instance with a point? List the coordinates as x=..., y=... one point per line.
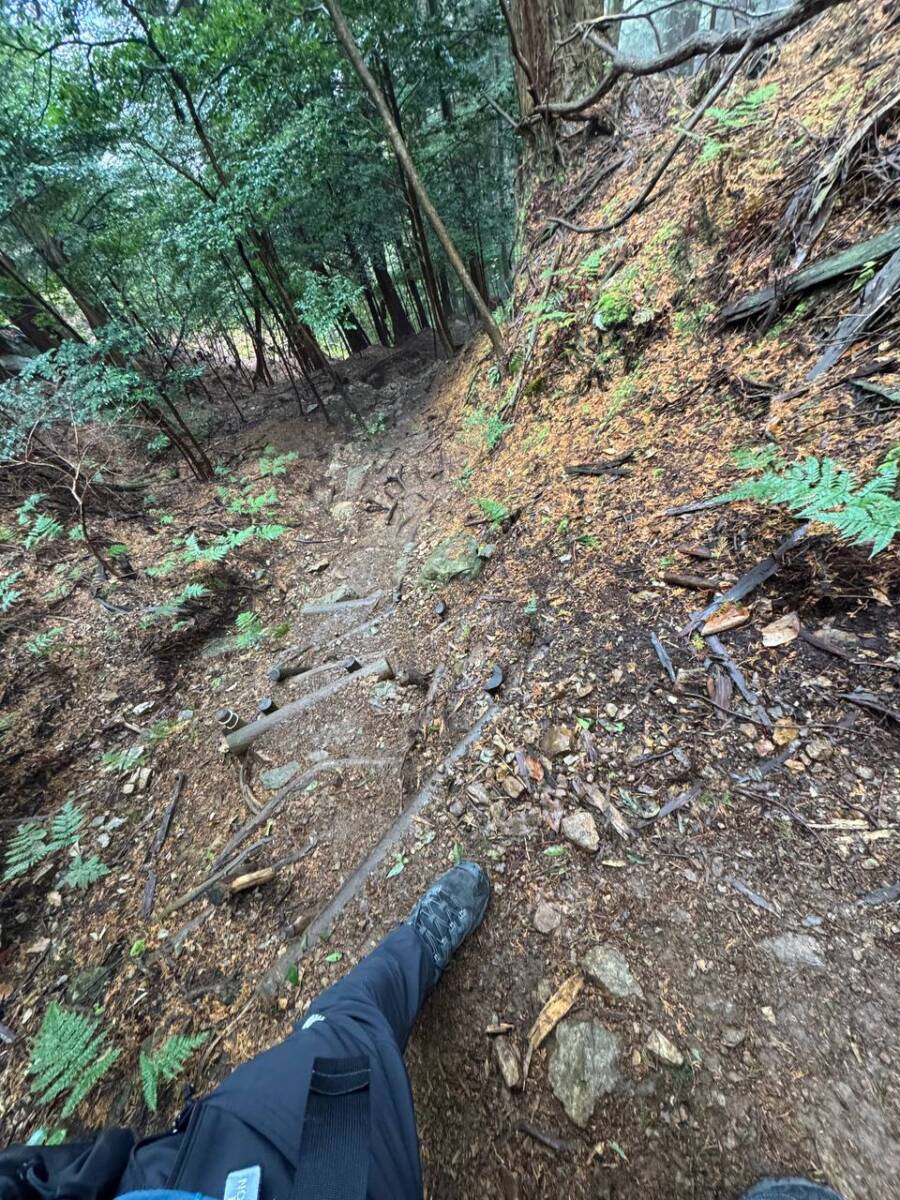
x=607, y=467
x=242, y=883
x=878, y=293
x=196, y=892
x=239, y=741
x=821, y=271
x=296, y=785
x=867, y=700
x=695, y=582
x=663, y=656
x=747, y=583
x=704, y=41
x=696, y=506
x=718, y=651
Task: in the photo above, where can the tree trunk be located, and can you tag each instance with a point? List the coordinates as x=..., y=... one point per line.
x=362, y=276
x=356, y=337
x=40, y=322
x=396, y=138
x=260, y=371
x=400, y=322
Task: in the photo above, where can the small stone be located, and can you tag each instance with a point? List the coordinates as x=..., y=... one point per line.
x=143, y=707
x=764, y=747
x=507, y=1057
x=546, y=918
x=733, y=1037
x=612, y=711
x=660, y=1047
x=768, y=1014
x=581, y=828
x=811, y=921
x=606, y=966
x=556, y=739
x=108, y=697
x=795, y=950
x=864, y=773
x=455, y=557
x=145, y=774
x=276, y=778
x=456, y=808
x=513, y=787
x=819, y=749
x=583, y=1067
x=185, y=714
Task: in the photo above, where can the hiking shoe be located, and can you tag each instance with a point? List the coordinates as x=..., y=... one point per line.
x=450, y=910
x=789, y=1189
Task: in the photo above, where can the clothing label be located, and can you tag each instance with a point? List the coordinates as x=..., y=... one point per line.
x=243, y=1185
x=312, y=1019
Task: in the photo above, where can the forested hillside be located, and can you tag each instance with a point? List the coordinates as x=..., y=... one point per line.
x=443, y=429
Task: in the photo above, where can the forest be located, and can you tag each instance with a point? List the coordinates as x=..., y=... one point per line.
x=458, y=428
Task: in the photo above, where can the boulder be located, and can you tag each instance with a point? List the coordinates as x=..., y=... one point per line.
x=455, y=557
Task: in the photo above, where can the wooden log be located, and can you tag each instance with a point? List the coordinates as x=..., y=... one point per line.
x=241, y=883
x=693, y=551
x=879, y=293
x=241, y=739
x=696, y=582
x=822, y=271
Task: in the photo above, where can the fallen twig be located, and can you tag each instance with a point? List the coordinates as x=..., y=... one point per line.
x=694, y=582
x=663, y=656
x=718, y=651
x=748, y=582
x=696, y=506
x=196, y=892
x=868, y=700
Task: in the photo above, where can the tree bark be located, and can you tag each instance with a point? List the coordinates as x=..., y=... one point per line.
x=400, y=322
x=347, y=41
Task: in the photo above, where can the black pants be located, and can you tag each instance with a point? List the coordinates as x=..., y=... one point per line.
x=256, y=1117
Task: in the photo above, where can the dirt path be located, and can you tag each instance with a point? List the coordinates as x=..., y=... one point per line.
x=738, y=1013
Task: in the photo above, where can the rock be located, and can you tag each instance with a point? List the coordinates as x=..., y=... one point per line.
x=581, y=828
x=795, y=950
x=507, y=1057
x=606, y=966
x=732, y=1037
x=768, y=1014
x=88, y=987
x=864, y=773
x=455, y=557
x=660, y=1047
x=343, y=591
x=456, y=808
x=355, y=477
x=819, y=749
x=144, y=707
x=494, y=681
x=383, y=694
x=277, y=777
x=343, y=512
x=556, y=739
x=513, y=787
x=546, y=918
x=584, y=1066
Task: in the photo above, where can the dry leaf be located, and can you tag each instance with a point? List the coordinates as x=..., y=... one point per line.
x=881, y=597
x=784, y=732
x=38, y=947
x=782, y=631
x=727, y=618
x=550, y=1016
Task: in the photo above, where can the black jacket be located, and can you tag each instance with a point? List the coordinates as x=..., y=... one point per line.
x=77, y=1171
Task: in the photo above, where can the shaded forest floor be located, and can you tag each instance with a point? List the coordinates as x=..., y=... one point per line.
x=734, y=848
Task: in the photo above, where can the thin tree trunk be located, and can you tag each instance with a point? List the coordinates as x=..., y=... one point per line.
x=346, y=38
x=400, y=322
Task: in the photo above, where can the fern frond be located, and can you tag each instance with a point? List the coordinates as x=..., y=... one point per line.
x=26, y=848
x=85, y=871
x=166, y=1062
x=66, y=1046
x=44, y=529
x=270, y=533
x=88, y=1080
x=66, y=826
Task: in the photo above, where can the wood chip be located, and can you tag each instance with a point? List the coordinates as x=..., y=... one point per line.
x=785, y=629
x=550, y=1016
x=729, y=618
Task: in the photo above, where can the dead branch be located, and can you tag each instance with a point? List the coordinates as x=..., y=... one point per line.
x=878, y=294
x=703, y=41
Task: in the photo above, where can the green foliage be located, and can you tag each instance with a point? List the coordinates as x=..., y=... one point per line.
x=25, y=849
x=69, y=1055
x=42, y=643
x=158, y=444
x=615, y=305
x=120, y=761
x=865, y=275
x=494, y=510
x=272, y=463
x=117, y=550
x=29, y=844
x=821, y=490
x=249, y=629
x=377, y=425
x=757, y=458
x=44, y=529
x=8, y=594
x=84, y=871
x=490, y=426
x=65, y=826
x=744, y=112
x=693, y=322
x=166, y=1063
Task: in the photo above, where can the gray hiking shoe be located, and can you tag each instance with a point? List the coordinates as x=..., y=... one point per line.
x=450, y=910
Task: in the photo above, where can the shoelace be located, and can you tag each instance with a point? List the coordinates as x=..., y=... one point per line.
x=435, y=924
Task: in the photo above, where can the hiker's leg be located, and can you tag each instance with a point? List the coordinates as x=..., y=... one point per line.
x=789, y=1189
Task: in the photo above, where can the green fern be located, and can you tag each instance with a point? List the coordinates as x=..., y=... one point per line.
x=823, y=491
x=26, y=848
x=65, y=827
x=165, y=1063
x=270, y=533
x=69, y=1055
x=25, y=511
x=746, y=111
x=122, y=760
x=43, y=643
x=272, y=463
x=8, y=594
x=249, y=629
x=84, y=871
x=44, y=529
